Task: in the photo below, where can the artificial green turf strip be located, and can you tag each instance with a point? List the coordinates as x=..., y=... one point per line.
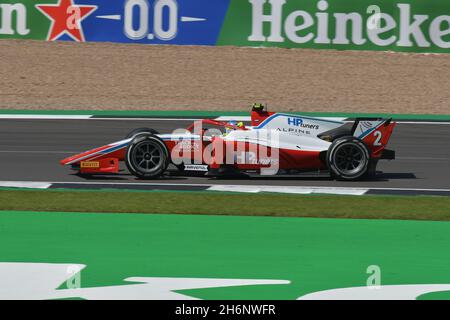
x=313, y=254
x=327, y=206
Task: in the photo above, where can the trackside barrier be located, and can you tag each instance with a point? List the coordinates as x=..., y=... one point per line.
x=387, y=25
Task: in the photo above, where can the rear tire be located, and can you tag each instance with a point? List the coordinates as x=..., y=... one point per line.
x=147, y=156
x=348, y=158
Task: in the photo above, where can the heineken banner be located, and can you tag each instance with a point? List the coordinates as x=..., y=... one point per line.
x=397, y=25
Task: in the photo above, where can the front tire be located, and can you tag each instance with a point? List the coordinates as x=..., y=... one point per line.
x=139, y=131
x=348, y=159
x=147, y=156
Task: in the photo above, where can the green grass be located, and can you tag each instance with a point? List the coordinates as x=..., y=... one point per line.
x=211, y=203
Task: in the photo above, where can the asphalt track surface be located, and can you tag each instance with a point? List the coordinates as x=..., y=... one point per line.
x=30, y=150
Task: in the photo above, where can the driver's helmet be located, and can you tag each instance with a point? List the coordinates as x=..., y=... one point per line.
x=234, y=124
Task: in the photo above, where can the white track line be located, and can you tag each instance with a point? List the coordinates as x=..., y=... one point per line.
x=290, y=190
x=44, y=117
x=411, y=189
x=86, y=117
x=113, y=183
x=221, y=187
x=19, y=184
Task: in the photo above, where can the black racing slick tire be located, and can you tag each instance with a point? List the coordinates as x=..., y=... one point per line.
x=140, y=130
x=147, y=157
x=348, y=158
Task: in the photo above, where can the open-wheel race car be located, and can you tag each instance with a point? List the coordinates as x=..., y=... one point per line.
x=272, y=144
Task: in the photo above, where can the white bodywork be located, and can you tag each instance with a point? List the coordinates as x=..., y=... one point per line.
x=288, y=132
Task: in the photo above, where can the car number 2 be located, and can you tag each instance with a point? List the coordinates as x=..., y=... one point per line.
x=378, y=136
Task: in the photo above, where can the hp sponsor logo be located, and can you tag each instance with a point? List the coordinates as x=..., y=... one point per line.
x=295, y=122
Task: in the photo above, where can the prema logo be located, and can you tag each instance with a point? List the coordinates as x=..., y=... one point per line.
x=376, y=27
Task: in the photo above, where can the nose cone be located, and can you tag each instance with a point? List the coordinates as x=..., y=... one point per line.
x=81, y=156
x=68, y=160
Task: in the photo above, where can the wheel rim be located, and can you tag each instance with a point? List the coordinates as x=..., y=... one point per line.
x=349, y=159
x=147, y=156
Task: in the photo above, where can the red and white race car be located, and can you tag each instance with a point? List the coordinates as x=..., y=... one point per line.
x=273, y=144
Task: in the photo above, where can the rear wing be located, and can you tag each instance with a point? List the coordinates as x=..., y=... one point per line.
x=375, y=133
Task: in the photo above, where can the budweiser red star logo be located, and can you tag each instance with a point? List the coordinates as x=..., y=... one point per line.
x=66, y=19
